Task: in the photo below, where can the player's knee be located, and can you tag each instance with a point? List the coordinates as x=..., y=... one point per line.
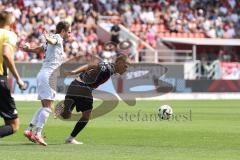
x=86, y=115
x=47, y=103
x=85, y=118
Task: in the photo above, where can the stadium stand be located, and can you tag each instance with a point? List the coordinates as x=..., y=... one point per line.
x=150, y=20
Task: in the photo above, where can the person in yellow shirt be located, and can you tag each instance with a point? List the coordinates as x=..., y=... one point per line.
x=8, y=41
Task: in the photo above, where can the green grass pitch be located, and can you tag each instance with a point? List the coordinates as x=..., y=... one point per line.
x=211, y=131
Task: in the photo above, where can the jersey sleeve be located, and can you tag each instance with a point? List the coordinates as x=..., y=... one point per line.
x=58, y=38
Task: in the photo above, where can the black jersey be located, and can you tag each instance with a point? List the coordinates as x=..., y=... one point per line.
x=95, y=77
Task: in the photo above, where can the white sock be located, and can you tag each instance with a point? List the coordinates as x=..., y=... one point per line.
x=34, y=119
x=42, y=119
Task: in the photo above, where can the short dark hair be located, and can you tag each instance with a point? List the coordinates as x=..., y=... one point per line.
x=62, y=26
x=6, y=18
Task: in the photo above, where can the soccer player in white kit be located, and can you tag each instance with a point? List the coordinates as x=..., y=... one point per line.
x=54, y=57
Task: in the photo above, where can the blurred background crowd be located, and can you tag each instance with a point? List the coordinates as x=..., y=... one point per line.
x=149, y=20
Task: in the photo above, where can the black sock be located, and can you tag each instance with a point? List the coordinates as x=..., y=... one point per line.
x=79, y=126
x=6, y=131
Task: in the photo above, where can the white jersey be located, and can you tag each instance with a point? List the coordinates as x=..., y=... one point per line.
x=54, y=54
x=46, y=78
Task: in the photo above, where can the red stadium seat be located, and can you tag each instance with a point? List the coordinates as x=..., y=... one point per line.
x=202, y=35
x=179, y=35
x=160, y=35
x=161, y=28
x=133, y=28
x=173, y=34
x=136, y=28
x=143, y=28
x=197, y=35
x=184, y=35
x=167, y=34
x=190, y=35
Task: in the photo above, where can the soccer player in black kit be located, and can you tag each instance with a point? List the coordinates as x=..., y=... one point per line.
x=79, y=93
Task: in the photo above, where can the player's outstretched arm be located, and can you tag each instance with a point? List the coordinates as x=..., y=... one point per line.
x=9, y=61
x=75, y=58
x=36, y=49
x=83, y=68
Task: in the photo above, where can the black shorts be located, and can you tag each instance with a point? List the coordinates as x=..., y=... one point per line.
x=79, y=95
x=7, y=105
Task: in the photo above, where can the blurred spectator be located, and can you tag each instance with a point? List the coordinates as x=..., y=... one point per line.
x=223, y=56
x=21, y=56
x=34, y=58
x=115, y=31
x=147, y=19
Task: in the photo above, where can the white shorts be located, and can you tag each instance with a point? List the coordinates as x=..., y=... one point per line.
x=46, y=85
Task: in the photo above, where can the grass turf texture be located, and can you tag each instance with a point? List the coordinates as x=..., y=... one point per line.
x=210, y=132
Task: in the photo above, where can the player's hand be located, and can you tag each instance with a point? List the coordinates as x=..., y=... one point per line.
x=25, y=47
x=21, y=84
x=46, y=35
